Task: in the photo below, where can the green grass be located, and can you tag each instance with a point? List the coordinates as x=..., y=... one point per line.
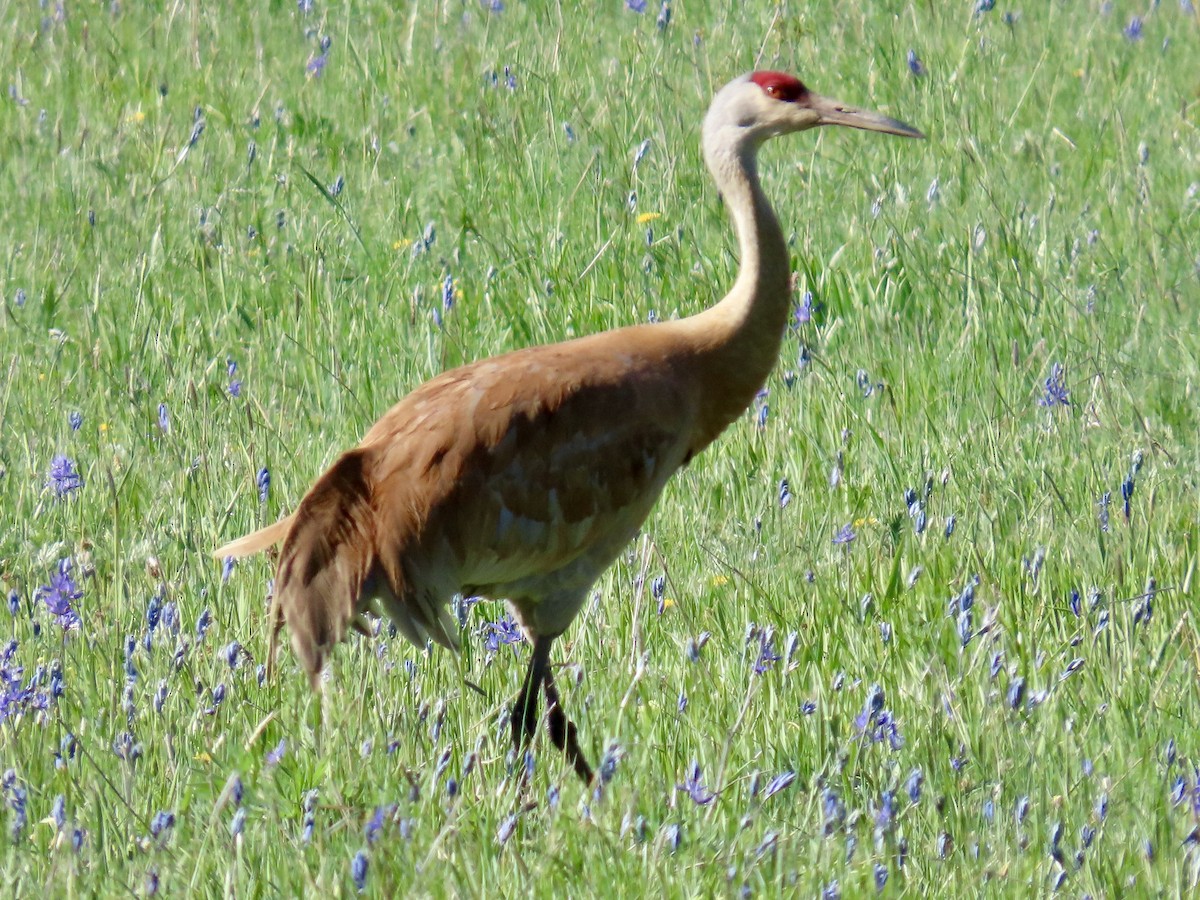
x=146, y=263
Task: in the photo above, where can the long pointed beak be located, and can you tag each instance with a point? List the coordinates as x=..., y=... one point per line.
x=832, y=112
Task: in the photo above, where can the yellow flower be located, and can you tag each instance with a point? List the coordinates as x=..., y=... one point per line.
x=718, y=580
x=401, y=244
x=667, y=603
x=645, y=217
x=104, y=426
x=202, y=757
x=869, y=520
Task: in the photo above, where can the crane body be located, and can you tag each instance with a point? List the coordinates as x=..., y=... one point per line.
x=521, y=477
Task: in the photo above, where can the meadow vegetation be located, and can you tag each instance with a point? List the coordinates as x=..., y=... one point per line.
x=923, y=620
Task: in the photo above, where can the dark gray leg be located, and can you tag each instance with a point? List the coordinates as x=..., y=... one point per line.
x=524, y=717
x=563, y=732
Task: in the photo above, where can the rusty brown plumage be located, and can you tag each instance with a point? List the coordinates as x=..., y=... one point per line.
x=521, y=477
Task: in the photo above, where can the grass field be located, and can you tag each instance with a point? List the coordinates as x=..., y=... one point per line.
x=231, y=241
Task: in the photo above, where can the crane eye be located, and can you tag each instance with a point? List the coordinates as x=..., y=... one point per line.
x=780, y=86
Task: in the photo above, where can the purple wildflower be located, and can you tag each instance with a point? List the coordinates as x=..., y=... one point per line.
x=778, y=783
x=263, y=481
x=886, y=811
x=881, y=876
x=504, y=631
x=218, y=697
x=231, y=367
x=833, y=811
x=274, y=756
x=126, y=747
x=1133, y=31
x=162, y=823
x=203, y=623
x=316, y=65
x=914, y=63
x=130, y=648
x=916, y=781
x=375, y=824
x=1056, y=389
x=637, y=6
x=1016, y=692
x=608, y=763
x=876, y=723
x=845, y=535
x=58, y=596
x=944, y=845
x=1144, y=609
x=63, y=478
x=804, y=311
x=1022, y=810
x=694, y=787
x=1127, y=494
x=767, y=657
x=672, y=836
x=1072, y=667
x=965, y=625
x=506, y=829
x=658, y=587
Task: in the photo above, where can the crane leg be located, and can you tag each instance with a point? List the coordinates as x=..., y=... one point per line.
x=563, y=732
x=524, y=718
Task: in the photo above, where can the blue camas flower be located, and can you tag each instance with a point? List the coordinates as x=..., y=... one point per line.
x=694, y=787
x=59, y=594
x=63, y=478
x=1056, y=393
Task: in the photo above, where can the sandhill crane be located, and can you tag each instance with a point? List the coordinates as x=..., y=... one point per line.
x=521, y=477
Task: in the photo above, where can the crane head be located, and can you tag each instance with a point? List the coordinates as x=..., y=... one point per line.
x=763, y=105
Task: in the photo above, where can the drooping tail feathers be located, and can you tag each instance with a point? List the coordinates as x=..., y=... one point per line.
x=255, y=541
x=327, y=555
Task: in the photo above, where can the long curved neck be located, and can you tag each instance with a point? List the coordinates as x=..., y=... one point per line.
x=738, y=339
